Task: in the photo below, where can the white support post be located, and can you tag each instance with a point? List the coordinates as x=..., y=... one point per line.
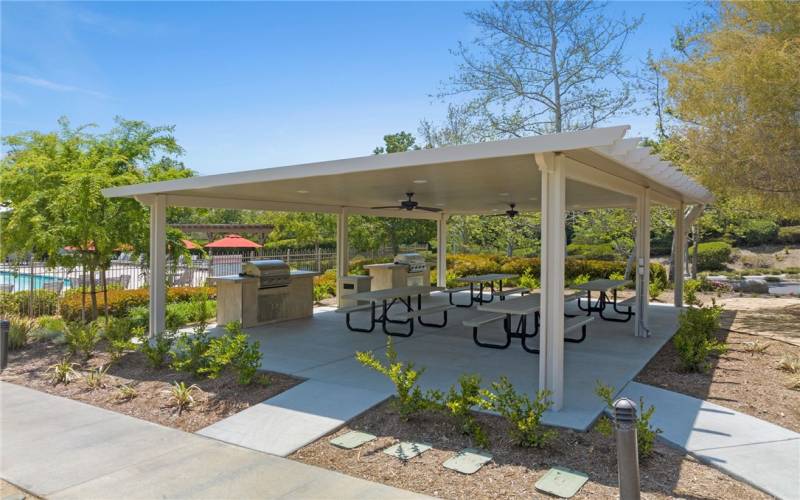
x=441, y=250
x=551, y=340
x=342, y=250
x=158, y=264
x=678, y=255
x=642, y=263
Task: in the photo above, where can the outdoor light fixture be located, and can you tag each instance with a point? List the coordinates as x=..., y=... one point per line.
x=502, y=194
x=302, y=191
x=420, y=181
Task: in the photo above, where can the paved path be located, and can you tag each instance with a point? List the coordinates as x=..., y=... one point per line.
x=752, y=450
x=294, y=418
x=59, y=448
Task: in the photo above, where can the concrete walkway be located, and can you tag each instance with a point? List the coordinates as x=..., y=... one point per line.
x=762, y=454
x=292, y=419
x=59, y=448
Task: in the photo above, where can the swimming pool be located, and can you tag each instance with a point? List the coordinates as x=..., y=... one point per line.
x=22, y=281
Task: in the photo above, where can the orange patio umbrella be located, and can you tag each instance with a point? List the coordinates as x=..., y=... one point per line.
x=233, y=241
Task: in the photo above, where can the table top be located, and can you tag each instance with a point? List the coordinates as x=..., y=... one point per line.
x=393, y=293
x=527, y=304
x=487, y=277
x=601, y=285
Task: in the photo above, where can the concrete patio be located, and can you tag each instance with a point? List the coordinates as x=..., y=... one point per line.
x=322, y=349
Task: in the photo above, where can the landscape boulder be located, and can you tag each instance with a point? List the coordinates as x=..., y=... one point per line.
x=752, y=286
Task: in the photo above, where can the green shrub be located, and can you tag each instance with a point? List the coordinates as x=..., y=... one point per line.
x=410, y=399
x=325, y=285
x=645, y=433
x=789, y=235
x=690, y=289
x=713, y=255
x=529, y=281
x=655, y=287
x=523, y=414
x=460, y=401
x=82, y=338
x=62, y=372
x=694, y=340
x=119, y=334
x=182, y=395
x=579, y=280
x=191, y=353
x=599, y=251
x=155, y=349
x=293, y=244
x=19, y=331
x=18, y=303
x=753, y=232
x=121, y=301
x=49, y=328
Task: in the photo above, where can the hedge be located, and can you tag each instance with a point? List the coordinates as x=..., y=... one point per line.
x=753, y=232
x=293, y=244
x=713, y=256
x=789, y=235
x=120, y=301
x=600, y=251
x=464, y=264
x=45, y=303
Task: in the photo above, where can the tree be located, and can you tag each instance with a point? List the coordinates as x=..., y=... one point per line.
x=539, y=67
x=393, y=230
x=52, y=184
x=735, y=87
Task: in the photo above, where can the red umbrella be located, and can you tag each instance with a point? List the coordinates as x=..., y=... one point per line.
x=233, y=241
x=191, y=245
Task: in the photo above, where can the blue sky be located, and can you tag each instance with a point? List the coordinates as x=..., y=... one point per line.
x=251, y=85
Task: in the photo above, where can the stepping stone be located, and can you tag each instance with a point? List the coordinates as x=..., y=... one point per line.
x=467, y=461
x=561, y=482
x=352, y=439
x=407, y=450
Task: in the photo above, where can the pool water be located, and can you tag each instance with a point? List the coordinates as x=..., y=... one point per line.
x=22, y=281
x=784, y=288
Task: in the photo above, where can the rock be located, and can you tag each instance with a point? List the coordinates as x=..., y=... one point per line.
x=752, y=286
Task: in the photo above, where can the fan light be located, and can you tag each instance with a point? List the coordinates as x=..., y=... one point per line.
x=303, y=191
x=420, y=181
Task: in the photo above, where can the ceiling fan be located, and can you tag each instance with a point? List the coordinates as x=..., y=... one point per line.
x=410, y=205
x=510, y=213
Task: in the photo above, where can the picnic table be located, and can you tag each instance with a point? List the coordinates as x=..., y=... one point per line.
x=388, y=298
x=522, y=307
x=484, y=280
x=603, y=287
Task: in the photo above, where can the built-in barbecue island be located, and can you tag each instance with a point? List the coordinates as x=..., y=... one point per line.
x=266, y=291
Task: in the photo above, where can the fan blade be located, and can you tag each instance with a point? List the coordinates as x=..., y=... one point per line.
x=428, y=209
x=381, y=208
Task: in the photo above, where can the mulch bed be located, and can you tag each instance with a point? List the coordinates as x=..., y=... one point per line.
x=514, y=470
x=216, y=399
x=749, y=383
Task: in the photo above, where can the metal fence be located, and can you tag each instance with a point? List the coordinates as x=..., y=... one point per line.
x=34, y=289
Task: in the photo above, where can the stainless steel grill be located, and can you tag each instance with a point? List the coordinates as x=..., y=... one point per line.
x=415, y=262
x=271, y=273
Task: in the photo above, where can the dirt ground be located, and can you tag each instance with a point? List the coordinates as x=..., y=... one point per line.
x=767, y=256
x=8, y=491
x=213, y=400
x=513, y=470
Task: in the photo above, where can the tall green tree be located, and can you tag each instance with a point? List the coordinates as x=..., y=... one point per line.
x=734, y=85
x=51, y=183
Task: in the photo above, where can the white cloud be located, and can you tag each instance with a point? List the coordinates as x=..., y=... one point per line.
x=54, y=86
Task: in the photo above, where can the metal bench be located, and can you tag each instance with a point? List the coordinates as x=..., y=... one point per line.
x=485, y=319
x=511, y=291
x=451, y=291
x=347, y=311
x=570, y=324
x=410, y=315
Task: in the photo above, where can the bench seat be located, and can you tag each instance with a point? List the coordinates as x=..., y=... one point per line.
x=423, y=312
x=456, y=289
x=629, y=302
x=352, y=309
x=510, y=291
x=576, y=322
x=483, y=319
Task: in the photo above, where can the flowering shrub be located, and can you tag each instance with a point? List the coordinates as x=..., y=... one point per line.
x=120, y=301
